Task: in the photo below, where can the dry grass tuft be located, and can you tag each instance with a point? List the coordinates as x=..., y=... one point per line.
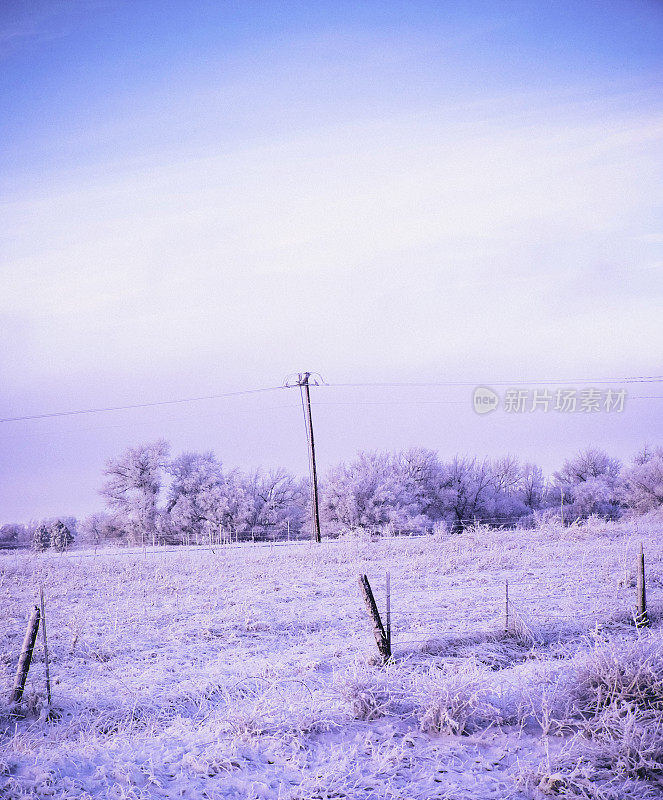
x=456, y=702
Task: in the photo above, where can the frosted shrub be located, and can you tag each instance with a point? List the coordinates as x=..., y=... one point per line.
x=495, y=650
x=621, y=677
x=629, y=675
x=440, y=531
x=597, y=524
x=356, y=535
x=457, y=703
x=624, y=741
x=613, y=699
x=277, y=708
x=547, y=519
x=373, y=694
x=618, y=756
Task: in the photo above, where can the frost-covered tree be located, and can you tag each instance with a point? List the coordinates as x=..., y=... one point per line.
x=196, y=497
x=41, y=538
x=646, y=454
x=422, y=477
x=101, y=528
x=61, y=537
x=532, y=487
x=203, y=500
x=378, y=491
x=273, y=501
x=408, y=491
x=235, y=509
x=132, y=488
x=507, y=474
x=413, y=490
x=503, y=502
x=588, y=484
x=642, y=483
x=469, y=488
x=587, y=464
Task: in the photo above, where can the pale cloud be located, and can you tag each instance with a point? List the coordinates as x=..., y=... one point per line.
x=410, y=200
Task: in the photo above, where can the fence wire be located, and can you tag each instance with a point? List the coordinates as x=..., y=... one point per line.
x=118, y=640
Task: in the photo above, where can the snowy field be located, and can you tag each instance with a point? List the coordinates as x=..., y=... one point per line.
x=251, y=671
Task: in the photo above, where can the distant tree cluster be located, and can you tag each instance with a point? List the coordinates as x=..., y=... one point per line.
x=53, y=534
x=191, y=499
x=414, y=490
x=13, y=535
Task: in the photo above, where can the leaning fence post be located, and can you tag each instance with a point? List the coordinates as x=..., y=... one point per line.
x=378, y=628
x=26, y=655
x=641, y=620
x=43, y=631
x=388, y=619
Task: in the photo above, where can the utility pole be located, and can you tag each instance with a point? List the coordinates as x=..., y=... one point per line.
x=303, y=383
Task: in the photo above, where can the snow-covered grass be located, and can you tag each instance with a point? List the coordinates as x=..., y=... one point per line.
x=251, y=671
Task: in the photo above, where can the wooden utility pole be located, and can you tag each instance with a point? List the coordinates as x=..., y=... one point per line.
x=315, y=509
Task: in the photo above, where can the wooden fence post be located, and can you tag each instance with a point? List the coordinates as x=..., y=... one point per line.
x=43, y=631
x=641, y=621
x=388, y=620
x=378, y=628
x=506, y=607
x=26, y=655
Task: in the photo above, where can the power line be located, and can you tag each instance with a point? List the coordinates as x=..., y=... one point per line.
x=432, y=402
x=649, y=379
x=138, y=405
x=549, y=381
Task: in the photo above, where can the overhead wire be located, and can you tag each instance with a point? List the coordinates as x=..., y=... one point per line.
x=648, y=379
x=520, y=382
x=129, y=406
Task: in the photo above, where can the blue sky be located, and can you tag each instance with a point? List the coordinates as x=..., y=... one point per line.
x=202, y=197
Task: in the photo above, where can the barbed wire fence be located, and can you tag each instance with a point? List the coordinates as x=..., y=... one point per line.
x=454, y=618
x=512, y=607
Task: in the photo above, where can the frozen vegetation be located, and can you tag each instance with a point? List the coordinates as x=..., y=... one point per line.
x=193, y=499
x=250, y=671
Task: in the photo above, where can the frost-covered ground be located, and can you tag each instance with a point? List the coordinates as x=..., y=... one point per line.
x=251, y=671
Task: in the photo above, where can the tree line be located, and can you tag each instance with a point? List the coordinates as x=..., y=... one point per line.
x=192, y=499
